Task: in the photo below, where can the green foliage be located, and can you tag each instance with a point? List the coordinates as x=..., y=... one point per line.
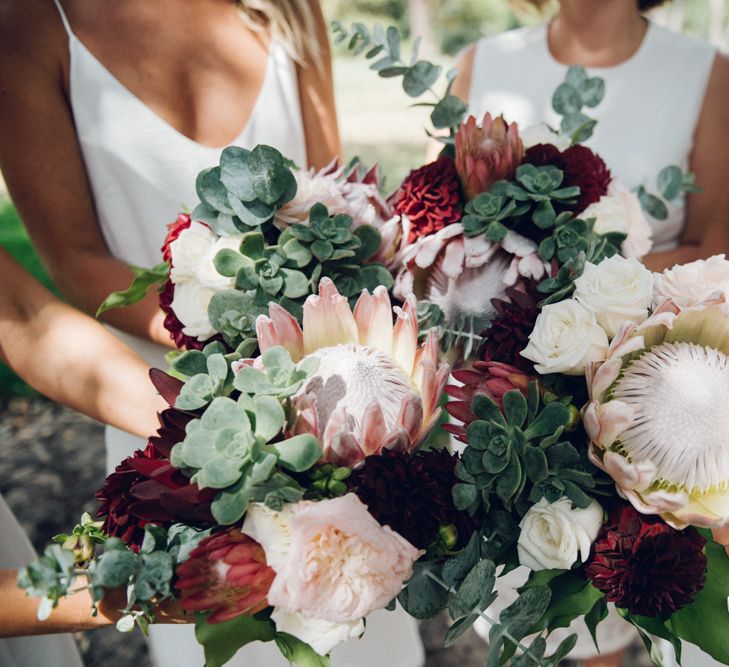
x=83, y=538
x=672, y=183
x=326, y=481
x=235, y=446
x=143, y=280
x=576, y=92
x=221, y=641
x=245, y=190
x=299, y=653
x=384, y=48
x=463, y=331
x=515, y=458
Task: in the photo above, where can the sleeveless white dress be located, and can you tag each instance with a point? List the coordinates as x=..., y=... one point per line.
x=646, y=121
x=142, y=173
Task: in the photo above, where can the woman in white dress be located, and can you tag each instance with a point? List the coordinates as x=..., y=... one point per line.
x=665, y=104
x=110, y=110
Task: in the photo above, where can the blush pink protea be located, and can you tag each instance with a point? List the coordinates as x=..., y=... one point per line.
x=487, y=153
x=374, y=388
x=226, y=574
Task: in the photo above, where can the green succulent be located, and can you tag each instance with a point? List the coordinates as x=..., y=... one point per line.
x=515, y=458
x=486, y=213
x=245, y=190
x=540, y=186
x=235, y=446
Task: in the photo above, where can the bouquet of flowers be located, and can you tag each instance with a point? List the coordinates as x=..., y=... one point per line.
x=291, y=488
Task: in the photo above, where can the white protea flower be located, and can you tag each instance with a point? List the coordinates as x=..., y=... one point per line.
x=462, y=275
x=374, y=388
x=658, y=418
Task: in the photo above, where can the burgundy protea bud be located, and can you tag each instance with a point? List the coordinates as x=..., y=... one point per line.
x=227, y=575
x=645, y=566
x=487, y=153
x=430, y=197
x=508, y=332
x=413, y=495
x=490, y=378
x=581, y=167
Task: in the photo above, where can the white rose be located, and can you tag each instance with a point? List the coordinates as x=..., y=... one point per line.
x=566, y=337
x=543, y=134
x=321, y=635
x=190, y=305
x=272, y=530
x=617, y=289
x=206, y=273
x=553, y=535
x=690, y=284
x=188, y=250
x=620, y=211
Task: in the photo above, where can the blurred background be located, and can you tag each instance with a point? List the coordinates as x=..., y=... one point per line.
x=48, y=487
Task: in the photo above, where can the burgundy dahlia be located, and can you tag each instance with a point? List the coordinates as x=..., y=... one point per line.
x=645, y=566
x=508, y=333
x=581, y=167
x=430, y=197
x=226, y=574
x=145, y=488
x=412, y=494
x=489, y=378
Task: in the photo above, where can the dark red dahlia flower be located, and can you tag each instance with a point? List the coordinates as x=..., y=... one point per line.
x=174, y=229
x=508, y=333
x=145, y=488
x=226, y=574
x=412, y=494
x=172, y=324
x=645, y=566
x=430, y=197
x=490, y=378
x=581, y=167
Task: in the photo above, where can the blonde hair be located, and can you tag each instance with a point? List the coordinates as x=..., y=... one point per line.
x=292, y=22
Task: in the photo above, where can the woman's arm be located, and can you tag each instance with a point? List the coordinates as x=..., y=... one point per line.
x=316, y=93
x=70, y=357
x=42, y=164
x=707, y=228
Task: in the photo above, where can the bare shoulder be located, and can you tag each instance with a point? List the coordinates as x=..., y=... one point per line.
x=464, y=65
x=33, y=35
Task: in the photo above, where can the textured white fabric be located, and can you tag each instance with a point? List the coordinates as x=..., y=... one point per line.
x=646, y=120
x=142, y=174
x=42, y=651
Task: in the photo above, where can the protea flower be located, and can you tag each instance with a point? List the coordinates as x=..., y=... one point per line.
x=490, y=378
x=658, y=417
x=226, y=574
x=374, y=388
x=487, y=154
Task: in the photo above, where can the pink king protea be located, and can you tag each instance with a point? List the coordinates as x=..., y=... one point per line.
x=487, y=154
x=374, y=388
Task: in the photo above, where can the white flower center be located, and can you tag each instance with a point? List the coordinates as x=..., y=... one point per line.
x=354, y=377
x=680, y=394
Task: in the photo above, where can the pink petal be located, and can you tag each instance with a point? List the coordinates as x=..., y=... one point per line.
x=280, y=328
x=374, y=430
x=373, y=315
x=344, y=451
x=328, y=320
x=629, y=476
x=721, y=536
x=452, y=263
x=410, y=417
x=601, y=378
x=405, y=336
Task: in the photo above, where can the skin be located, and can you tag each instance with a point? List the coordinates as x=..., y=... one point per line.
x=201, y=74
x=603, y=33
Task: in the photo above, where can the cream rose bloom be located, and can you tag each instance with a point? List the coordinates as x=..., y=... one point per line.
x=321, y=635
x=690, y=284
x=541, y=133
x=190, y=304
x=554, y=535
x=566, y=337
x=338, y=563
x=616, y=290
x=188, y=250
x=620, y=211
x=272, y=530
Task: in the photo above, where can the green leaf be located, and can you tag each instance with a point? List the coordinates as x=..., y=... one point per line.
x=114, y=568
x=221, y=641
x=652, y=205
x=702, y=622
x=155, y=575
x=455, y=569
x=595, y=616
x=192, y=362
x=296, y=253
x=297, y=453
x=420, y=77
x=476, y=592
x=373, y=275
x=370, y=240
x=535, y=462
x=564, y=649
x=578, y=126
x=196, y=393
x=670, y=182
x=298, y=653
x=143, y=280
x=515, y=407
x=390, y=72
x=591, y=91
x=322, y=250
x=229, y=506
x=267, y=166
x=269, y=417
x=548, y=421
x=212, y=192
x=393, y=42
x=576, y=76
x=485, y=408
x=521, y=617
x=449, y=112
x=464, y=495
x=566, y=100
x=234, y=172
x=423, y=597
x=457, y=628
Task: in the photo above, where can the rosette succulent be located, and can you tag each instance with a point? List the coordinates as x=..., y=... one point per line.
x=657, y=419
x=374, y=387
